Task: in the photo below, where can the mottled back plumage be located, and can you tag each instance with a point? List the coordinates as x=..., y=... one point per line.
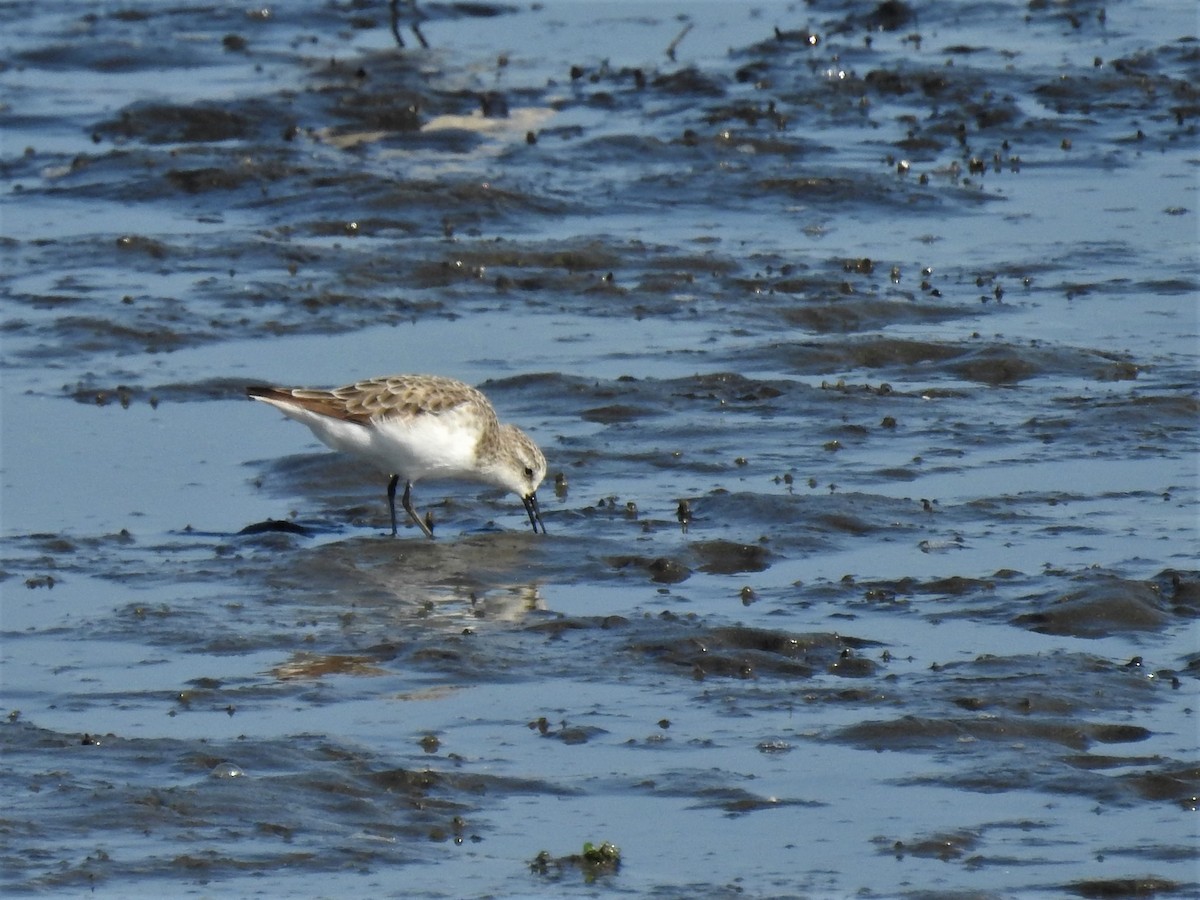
x=395, y=395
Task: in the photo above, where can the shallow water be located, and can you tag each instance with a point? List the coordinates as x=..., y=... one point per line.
x=903, y=302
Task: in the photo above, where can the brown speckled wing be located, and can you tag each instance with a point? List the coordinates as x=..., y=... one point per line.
x=403, y=396
x=407, y=395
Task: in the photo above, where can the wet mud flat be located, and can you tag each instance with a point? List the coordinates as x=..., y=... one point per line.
x=861, y=338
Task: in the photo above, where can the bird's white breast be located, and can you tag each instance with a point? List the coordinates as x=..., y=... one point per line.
x=427, y=446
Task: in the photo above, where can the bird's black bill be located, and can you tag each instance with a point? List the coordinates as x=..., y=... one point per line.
x=535, y=514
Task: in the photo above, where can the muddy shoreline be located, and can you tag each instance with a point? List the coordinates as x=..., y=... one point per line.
x=900, y=300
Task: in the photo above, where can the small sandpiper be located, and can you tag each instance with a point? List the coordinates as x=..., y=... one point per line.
x=419, y=426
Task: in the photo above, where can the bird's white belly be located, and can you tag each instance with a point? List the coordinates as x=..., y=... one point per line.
x=423, y=446
x=440, y=446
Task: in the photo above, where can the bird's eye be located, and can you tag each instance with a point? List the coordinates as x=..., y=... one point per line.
x=528, y=472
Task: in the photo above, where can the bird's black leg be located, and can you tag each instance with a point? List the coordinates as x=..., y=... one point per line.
x=392, y=500
x=415, y=25
x=395, y=5
x=406, y=500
